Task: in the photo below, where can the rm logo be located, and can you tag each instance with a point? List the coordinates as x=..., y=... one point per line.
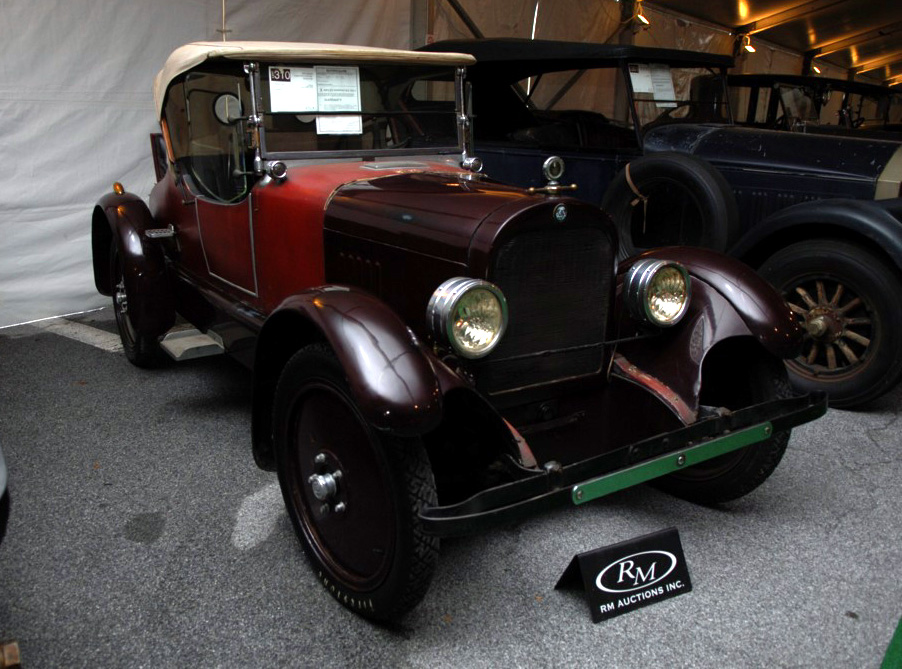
x=636, y=571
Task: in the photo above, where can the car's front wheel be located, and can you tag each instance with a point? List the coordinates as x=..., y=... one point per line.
x=353, y=495
x=141, y=349
x=849, y=303
x=735, y=376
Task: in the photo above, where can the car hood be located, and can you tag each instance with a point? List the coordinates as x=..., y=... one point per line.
x=433, y=213
x=776, y=151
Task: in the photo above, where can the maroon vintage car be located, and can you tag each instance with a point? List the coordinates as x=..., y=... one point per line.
x=433, y=352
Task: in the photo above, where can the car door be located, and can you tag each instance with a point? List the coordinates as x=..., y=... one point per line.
x=216, y=180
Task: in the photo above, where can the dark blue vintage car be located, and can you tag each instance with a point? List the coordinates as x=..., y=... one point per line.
x=649, y=134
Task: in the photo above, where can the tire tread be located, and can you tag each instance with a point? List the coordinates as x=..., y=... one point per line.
x=408, y=460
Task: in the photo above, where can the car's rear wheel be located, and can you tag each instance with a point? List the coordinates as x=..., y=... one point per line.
x=353, y=495
x=140, y=349
x=735, y=376
x=849, y=303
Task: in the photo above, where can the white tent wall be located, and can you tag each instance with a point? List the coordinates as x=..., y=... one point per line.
x=577, y=20
x=77, y=110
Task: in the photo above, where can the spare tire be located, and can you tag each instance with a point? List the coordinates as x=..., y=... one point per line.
x=674, y=200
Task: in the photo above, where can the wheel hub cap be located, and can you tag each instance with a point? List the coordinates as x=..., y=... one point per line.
x=825, y=324
x=324, y=486
x=837, y=324
x=121, y=299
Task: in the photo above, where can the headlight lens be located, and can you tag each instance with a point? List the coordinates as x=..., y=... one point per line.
x=657, y=291
x=468, y=314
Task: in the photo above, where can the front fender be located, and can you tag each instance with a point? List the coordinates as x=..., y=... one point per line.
x=123, y=218
x=390, y=375
x=728, y=300
x=755, y=302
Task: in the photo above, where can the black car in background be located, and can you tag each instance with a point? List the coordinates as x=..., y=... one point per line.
x=816, y=104
x=649, y=134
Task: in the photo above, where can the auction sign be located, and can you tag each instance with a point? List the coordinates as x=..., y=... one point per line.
x=634, y=573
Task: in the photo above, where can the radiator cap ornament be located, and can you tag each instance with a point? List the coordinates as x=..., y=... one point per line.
x=552, y=170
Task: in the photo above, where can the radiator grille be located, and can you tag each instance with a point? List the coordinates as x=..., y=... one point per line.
x=557, y=284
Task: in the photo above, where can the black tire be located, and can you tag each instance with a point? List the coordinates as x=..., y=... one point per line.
x=689, y=204
x=140, y=349
x=850, y=303
x=372, y=555
x=4, y=513
x=724, y=384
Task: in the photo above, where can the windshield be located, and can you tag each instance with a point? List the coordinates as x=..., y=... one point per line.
x=823, y=103
x=375, y=108
x=868, y=110
x=590, y=109
x=664, y=94
x=802, y=104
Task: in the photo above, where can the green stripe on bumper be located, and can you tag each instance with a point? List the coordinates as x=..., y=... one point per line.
x=893, y=657
x=667, y=464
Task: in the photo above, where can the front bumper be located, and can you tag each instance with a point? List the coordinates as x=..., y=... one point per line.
x=630, y=465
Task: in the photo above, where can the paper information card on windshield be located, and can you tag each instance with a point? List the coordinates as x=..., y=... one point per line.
x=654, y=79
x=292, y=89
x=338, y=89
x=318, y=89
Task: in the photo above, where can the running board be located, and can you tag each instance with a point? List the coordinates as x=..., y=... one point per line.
x=190, y=344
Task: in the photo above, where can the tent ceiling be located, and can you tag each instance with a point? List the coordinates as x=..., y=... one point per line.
x=864, y=36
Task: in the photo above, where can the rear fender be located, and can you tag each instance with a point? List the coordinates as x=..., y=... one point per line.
x=389, y=373
x=124, y=218
x=728, y=300
x=875, y=223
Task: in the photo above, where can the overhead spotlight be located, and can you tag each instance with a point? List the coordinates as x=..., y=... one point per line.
x=640, y=16
x=816, y=69
x=747, y=44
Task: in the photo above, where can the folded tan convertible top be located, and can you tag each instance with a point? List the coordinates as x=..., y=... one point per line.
x=187, y=56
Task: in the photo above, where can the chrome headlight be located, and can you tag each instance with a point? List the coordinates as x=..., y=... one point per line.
x=468, y=314
x=657, y=291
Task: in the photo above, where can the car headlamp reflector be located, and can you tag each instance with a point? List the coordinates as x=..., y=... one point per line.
x=657, y=291
x=468, y=314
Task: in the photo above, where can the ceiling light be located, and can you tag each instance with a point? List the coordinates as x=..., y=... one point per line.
x=747, y=44
x=816, y=69
x=640, y=16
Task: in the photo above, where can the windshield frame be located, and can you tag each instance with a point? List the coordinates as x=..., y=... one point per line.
x=719, y=72
x=459, y=120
